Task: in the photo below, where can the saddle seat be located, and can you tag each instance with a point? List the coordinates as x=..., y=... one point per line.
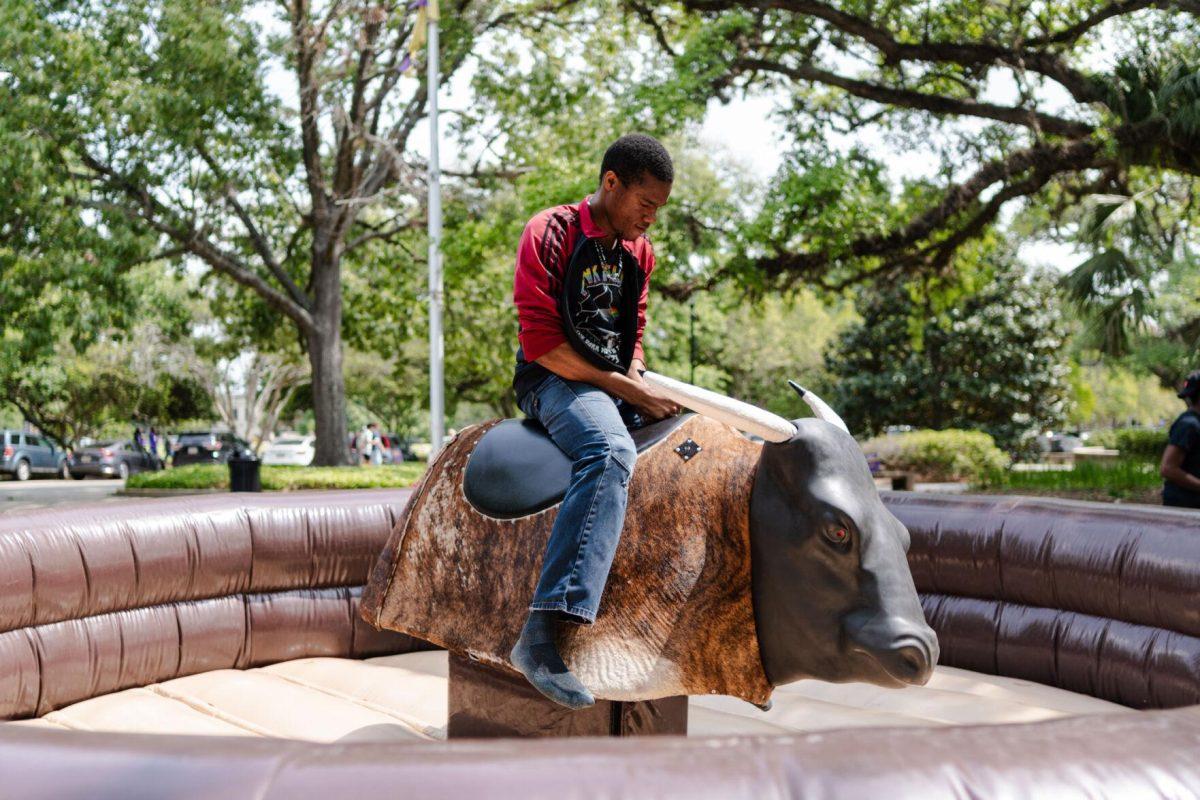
x=516, y=469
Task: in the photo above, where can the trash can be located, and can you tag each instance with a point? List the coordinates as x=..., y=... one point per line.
x=243, y=472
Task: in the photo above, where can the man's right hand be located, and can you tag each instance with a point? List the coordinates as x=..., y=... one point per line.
x=566, y=363
x=651, y=403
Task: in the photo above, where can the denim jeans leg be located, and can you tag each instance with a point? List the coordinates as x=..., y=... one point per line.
x=584, y=422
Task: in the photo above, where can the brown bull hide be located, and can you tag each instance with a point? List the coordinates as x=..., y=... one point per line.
x=676, y=616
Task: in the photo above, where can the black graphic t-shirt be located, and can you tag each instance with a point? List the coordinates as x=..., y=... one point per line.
x=598, y=320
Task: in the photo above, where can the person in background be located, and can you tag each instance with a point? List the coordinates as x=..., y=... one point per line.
x=138, y=441
x=362, y=444
x=376, y=445
x=154, y=447
x=1181, y=460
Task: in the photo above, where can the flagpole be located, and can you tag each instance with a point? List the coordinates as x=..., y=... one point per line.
x=437, y=421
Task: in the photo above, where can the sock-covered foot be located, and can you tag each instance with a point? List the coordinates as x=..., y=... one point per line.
x=536, y=656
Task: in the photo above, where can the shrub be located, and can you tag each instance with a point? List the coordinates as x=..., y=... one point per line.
x=939, y=455
x=283, y=479
x=1141, y=444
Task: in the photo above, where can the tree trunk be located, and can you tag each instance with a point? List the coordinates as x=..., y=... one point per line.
x=325, y=355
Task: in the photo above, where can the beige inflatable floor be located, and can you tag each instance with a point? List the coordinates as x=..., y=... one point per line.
x=403, y=697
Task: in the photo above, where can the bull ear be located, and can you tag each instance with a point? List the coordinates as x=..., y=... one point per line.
x=820, y=408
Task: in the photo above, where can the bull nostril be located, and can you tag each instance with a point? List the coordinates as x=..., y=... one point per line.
x=912, y=659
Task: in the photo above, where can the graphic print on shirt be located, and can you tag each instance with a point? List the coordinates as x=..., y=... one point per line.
x=598, y=321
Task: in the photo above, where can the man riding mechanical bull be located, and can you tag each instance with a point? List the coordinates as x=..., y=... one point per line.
x=741, y=567
x=581, y=284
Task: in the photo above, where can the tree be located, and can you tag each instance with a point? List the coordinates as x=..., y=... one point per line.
x=990, y=361
x=248, y=393
x=117, y=380
x=1139, y=292
x=159, y=112
x=920, y=73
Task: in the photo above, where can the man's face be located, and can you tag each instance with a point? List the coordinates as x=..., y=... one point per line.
x=634, y=206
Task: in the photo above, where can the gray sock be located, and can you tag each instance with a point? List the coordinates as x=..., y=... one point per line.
x=536, y=656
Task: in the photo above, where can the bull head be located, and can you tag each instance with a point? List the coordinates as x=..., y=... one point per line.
x=833, y=595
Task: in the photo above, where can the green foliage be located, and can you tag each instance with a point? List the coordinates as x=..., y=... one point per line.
x=1135, y=444
x=991, y=361
x=851, y=73
x=1119, y=480
x=944, y=455
x=283, y=478
x=1108, y=395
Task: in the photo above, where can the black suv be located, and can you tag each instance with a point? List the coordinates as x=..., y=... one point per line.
x=205, y=447
x=24, y=455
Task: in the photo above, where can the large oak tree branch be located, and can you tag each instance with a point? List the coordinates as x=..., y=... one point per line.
x=908, y=98
x=258, y=241
x=150, y=211
x=309, y=90
x=966, y=54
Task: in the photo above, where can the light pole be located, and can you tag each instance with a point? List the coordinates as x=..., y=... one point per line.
x=692, y=339
x=437, y=421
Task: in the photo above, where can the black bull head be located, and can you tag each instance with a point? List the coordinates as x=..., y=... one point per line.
x=833, y=595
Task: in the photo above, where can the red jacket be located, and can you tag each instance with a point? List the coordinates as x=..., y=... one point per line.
x=542, y=257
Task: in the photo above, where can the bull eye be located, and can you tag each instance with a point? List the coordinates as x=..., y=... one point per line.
x=837, y=535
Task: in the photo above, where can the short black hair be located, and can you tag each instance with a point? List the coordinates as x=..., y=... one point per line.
x=635, y=154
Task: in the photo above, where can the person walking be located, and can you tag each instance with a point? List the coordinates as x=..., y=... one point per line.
x=363, y=444
x=154, y=447
x=376, y=453
x=581, y=285
x=1180, y=466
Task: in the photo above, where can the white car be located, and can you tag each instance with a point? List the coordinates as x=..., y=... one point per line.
x=291, y=450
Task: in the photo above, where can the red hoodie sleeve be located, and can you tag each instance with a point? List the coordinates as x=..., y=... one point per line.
x=647, y=262
x=536, y=287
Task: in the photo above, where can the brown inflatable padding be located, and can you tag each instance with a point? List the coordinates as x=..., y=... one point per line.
x=47, y=667
x=1115, y=756
x=1092, y=598
x=1134, y=665
x=60, y=565
x=1138, y=564
x=149, y=591
x=676, y=616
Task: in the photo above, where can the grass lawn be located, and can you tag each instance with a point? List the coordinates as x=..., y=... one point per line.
x=1125, y=480
x=284, y=479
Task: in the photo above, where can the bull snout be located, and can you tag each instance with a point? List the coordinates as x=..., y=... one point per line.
x=906, y=650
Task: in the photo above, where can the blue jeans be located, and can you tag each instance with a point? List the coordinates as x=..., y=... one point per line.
x=591, y=428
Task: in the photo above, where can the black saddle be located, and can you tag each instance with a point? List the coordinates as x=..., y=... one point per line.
x=516, y=469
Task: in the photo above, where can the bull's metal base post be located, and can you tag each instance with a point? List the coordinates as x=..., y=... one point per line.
x=489, y=703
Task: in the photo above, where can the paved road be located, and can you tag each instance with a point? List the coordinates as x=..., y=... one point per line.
x=15, y=496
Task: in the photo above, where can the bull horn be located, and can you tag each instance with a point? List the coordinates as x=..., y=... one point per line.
x=820, y=408
x=742, y=416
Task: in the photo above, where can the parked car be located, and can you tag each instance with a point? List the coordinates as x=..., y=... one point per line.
x=116, y=459
x=205, y=447
x=291, y=449
x=24, y=455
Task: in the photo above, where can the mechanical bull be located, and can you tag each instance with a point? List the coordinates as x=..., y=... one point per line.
x=741, y=566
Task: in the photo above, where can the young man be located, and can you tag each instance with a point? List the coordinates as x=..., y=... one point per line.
x=580, y=289
x=1181, y=460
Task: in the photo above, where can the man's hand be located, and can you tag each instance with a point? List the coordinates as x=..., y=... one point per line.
x=653, y=404
x=630, y=387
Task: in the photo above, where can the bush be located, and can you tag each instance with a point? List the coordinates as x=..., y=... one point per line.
x=1142, y=444
x=939, y=455
x=283, y=479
